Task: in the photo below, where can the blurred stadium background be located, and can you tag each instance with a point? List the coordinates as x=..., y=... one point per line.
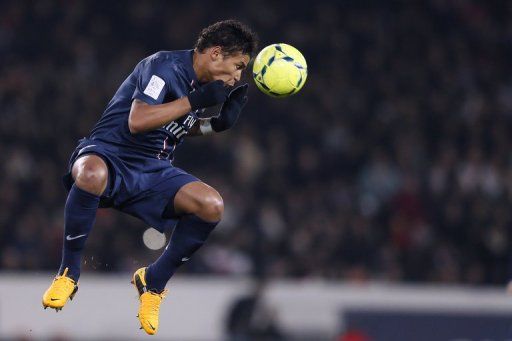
x=374, y=205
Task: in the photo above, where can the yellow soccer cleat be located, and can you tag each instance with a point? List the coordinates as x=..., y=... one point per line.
x=150, y=301
x=59, y=291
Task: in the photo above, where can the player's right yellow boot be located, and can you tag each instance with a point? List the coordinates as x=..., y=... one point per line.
x=150, y=301
x=59, y=291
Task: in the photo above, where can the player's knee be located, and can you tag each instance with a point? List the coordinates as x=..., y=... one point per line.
x=199, y=199
x=92, y=178
x=212, y=208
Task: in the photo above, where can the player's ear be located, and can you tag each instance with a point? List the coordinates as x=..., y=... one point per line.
x=215, y=53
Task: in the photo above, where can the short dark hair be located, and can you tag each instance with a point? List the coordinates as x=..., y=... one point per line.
x=231, y=35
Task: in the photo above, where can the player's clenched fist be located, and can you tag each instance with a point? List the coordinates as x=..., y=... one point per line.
x=208, y=95
x=230, y=109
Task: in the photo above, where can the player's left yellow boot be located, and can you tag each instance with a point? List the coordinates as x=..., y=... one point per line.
x=59, y=291
x=150, y=301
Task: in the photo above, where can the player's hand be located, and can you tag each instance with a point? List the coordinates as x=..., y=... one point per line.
x=231, y=109
x=208, y=95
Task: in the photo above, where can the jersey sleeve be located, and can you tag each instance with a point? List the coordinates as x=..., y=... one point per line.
x=153, y=82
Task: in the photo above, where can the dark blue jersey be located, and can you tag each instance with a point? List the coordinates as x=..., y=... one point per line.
x=159, y=78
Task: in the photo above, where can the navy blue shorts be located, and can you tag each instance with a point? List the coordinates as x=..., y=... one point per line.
x=138, y=185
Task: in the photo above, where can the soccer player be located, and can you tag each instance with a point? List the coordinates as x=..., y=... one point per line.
x=126, y=162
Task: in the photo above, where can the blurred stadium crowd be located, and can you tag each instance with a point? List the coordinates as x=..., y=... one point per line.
x=393, y=163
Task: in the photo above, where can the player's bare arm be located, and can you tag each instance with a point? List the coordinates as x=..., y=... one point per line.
x=145, y=117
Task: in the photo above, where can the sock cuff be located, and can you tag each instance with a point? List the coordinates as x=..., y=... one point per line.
x=84, y=197
x=195, y=218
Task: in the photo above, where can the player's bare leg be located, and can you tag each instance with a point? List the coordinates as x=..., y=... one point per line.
x=90, y=174
x=201, y=200
x=200, y=208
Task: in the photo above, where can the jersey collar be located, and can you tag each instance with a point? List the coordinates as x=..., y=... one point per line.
x=188, y=60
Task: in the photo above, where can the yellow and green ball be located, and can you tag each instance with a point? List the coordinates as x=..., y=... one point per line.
x=280, y=70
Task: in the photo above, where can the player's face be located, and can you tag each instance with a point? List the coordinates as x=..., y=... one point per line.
x=227, y=68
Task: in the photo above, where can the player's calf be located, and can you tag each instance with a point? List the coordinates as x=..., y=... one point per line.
x=188, y=236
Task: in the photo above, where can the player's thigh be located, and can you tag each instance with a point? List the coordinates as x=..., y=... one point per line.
x=90, y=173
x=200, y=199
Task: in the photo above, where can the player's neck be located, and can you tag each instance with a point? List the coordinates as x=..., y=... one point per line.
x=199, y=66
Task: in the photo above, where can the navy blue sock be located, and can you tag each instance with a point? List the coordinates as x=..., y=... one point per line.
x=189, y=234
x=79, y=215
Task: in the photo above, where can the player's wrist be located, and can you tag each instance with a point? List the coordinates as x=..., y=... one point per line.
x=205, y=126
x=193, y=100
x=186, y=102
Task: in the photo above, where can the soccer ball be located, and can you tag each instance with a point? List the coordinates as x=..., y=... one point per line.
x=280, y=70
